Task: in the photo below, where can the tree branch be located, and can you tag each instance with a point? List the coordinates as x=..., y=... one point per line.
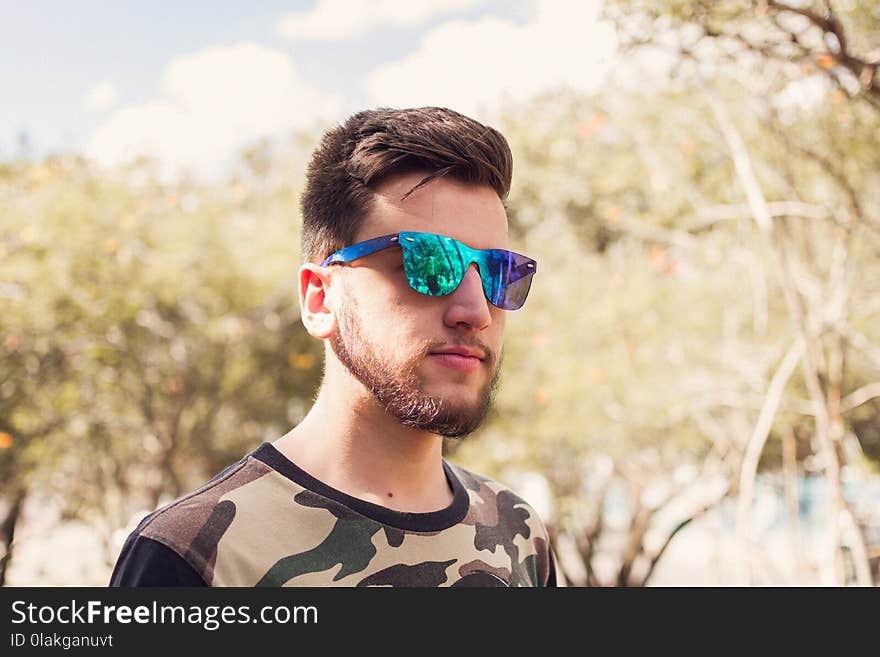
x=860, y=396
x=758, y=439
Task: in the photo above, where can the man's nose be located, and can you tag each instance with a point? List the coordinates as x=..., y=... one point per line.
x=468, y=305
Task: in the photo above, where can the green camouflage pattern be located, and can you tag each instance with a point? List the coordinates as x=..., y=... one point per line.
x=253, y=526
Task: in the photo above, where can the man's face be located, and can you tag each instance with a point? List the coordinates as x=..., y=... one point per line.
x=388, y=334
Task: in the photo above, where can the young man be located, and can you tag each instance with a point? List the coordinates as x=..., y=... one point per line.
x=407, y=280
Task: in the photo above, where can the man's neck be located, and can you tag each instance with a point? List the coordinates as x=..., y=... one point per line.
x=348, y=442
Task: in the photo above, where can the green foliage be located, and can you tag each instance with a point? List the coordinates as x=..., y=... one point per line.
x=150, y=332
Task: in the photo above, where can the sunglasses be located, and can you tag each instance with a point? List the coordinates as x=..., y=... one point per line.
x=436, y=264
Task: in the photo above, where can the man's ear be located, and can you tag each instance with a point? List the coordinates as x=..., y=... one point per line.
x=314, y=287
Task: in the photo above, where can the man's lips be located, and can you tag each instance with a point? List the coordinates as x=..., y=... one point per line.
x=461, y=351
x=463, y=360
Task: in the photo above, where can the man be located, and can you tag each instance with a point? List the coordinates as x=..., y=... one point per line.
x=407, y=280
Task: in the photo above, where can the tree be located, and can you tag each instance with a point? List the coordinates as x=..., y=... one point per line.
x=150, y=337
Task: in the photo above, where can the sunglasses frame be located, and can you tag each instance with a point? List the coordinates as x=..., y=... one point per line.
x=350, y=253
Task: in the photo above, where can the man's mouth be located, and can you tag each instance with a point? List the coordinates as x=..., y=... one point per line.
x=463, y=360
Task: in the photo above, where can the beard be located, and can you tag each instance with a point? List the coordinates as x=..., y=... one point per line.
x=398, y=388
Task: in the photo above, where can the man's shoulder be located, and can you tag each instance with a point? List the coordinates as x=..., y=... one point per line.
x=502, y=518
x=479, y=483
x=176, y=544
x=491, y=499
x=192, y=524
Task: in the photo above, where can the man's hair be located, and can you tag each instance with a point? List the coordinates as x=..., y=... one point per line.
x=354, y=158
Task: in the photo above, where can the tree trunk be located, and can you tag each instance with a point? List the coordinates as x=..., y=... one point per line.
x=7, y=529
x=749, y=467
x=790, y=486
x=859, y=550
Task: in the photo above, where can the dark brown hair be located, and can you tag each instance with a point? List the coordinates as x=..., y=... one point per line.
x=371, y=146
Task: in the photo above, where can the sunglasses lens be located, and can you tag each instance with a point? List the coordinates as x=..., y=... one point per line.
x=433, y=263
x=507, y=278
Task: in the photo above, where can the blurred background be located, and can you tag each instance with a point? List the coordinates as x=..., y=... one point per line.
x=691, y=396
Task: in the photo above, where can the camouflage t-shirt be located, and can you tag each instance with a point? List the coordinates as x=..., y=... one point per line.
x=266, y=522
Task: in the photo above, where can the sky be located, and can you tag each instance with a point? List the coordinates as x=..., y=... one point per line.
x=192, y=83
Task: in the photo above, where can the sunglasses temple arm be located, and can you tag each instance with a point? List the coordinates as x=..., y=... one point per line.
x=362, y=249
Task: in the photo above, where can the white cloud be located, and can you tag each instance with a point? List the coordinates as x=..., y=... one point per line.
x=215, y=102
x=101, y=97
x=346, y=19
x=477, y=66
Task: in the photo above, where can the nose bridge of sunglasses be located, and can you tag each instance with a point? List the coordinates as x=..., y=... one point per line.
x=473, y=264
x=474, y=259
x=470, y=258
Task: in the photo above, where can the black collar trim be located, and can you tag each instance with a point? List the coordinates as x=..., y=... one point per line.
x=432, y=521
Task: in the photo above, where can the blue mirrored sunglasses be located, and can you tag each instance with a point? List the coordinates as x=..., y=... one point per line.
x=436, y=264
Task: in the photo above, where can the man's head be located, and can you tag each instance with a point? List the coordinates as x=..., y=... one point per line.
x=427, y=170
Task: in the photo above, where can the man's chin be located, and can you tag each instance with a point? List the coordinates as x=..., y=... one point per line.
x=452, y=424
x=462, y=399
x=464, y=413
